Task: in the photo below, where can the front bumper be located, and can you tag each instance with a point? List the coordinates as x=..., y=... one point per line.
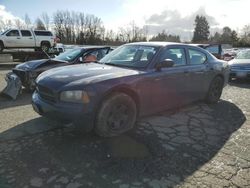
x=239, y=74
x=62, y=111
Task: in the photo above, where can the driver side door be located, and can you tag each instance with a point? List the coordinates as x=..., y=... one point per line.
x=167, y=87
x=13, y=39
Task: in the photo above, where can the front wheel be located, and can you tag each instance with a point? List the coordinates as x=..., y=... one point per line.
x=215, y=90
x=116, y=115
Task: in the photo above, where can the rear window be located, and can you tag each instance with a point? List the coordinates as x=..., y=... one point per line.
x=43, y=33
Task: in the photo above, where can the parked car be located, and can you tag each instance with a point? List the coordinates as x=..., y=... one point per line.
x=240, y=65
x=24, y=38
x=28, y=71
x=134, y=80
x=215, y=49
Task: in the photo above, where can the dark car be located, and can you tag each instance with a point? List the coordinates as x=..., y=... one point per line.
x=29, y=70
x=240, y=65
x=134, y=80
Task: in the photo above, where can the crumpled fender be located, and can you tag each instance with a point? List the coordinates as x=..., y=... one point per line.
x=14, y=85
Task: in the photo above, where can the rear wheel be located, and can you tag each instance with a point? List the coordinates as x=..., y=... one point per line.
x=45, y=46
x=215, y=90
x=1, y=46
x=117, y=115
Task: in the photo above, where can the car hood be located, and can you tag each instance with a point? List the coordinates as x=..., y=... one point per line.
x=31, y=65
x=239, y=62
x=82, y=74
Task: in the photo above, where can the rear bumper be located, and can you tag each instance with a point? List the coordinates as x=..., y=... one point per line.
x=62, y=111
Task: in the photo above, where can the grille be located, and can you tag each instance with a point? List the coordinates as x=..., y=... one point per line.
x=46, y=93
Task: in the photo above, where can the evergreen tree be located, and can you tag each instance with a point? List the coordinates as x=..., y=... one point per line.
x=201, y=31
x=163, y=36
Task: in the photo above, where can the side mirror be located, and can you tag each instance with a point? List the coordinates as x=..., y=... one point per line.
x=164, y=64
x=81, y=60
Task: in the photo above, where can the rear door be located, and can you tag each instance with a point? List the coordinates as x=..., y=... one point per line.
x=198, y=71
x=27, y=38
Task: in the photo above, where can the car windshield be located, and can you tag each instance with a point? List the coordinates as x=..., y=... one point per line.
x=4, y=32
x=69, y=55
x=134, y=56
x=243, y=55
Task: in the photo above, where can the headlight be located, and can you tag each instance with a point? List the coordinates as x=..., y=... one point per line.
x=76, y=96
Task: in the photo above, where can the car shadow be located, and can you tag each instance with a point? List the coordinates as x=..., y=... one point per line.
x=23, y=99
x=164, y=148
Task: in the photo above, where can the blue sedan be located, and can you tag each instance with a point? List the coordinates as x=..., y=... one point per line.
x=134, y=80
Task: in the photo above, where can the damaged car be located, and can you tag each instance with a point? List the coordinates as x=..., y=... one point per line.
x=28, y=71
x=134, y=80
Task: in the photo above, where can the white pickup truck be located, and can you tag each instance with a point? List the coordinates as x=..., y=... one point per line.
x=24, y=38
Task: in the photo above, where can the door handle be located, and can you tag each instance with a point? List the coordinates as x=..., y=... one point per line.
x=31, y=38
x=18, y=38
x=186, y=71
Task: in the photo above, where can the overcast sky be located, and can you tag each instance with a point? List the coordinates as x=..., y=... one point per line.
x=174, y=16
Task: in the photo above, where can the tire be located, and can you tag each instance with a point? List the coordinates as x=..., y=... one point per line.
x=215, y=90
x=1, y=46
x=45, y=46
x=116, y=115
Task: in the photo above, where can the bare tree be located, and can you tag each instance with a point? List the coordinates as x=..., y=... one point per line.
x=46, y=20
x=27, y=21
x=40, y=24
x=19, y=24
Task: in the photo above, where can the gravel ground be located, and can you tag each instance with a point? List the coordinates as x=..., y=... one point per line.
x=196, y=146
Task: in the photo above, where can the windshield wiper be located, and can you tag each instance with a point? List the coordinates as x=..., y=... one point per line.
x=116, y=65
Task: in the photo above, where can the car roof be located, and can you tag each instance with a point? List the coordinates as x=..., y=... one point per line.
x=155, y=43
x=90, y=47
x=162, y=44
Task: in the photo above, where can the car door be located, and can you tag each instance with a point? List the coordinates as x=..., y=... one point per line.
x=215, y=49
x=198, y=74
x=27, y=39
x=168, y=86
x=13, y=38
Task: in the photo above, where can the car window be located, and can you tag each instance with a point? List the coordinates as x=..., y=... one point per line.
x=25, y=33
x=243, y=55
x=196, y=57
x=175, y=54
x=100, y=53
x=69, y=55
x=137, y=56
x=43, y=33
x=13, y=33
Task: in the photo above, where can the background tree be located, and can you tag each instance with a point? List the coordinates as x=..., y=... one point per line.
x=39, y=24
x=46, y=20
x=163, y=36
x=27, y=21
x=228, y=36
x=19, y=24
x=201, y=30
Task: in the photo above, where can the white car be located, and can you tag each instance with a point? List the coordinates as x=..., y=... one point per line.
x=24, y=38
